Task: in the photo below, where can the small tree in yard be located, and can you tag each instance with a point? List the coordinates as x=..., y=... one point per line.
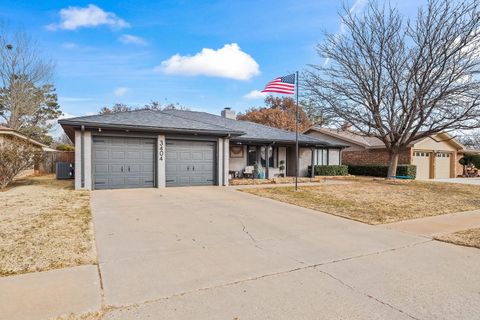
x=16, y=155
x=401, y=80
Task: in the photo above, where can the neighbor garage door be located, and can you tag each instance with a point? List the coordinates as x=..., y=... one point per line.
x=123, y=162
x=190, y=163
x=422, y=160
x=442, y=165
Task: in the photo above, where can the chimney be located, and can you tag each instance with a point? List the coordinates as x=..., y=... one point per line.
x=229, y=113
x=346, y=126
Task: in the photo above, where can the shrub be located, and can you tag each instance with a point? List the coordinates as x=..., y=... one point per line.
x=16, y=155
x=470, y=159
x=65, y=147
x=380, y=170
x=333, y=170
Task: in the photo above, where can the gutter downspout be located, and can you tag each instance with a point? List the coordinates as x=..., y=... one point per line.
x=82, y=156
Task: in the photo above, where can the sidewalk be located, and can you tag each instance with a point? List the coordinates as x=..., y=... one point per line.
x=438, y=225
x=46, y=295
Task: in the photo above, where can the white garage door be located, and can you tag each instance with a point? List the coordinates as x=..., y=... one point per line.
x=422, y=160
x=442, y=165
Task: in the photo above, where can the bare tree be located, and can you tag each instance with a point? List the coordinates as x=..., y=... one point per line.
x=471, y=140
x=401, y=80
x=27, y=98
x=153, y=105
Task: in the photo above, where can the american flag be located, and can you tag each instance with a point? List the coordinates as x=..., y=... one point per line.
x=285, y=85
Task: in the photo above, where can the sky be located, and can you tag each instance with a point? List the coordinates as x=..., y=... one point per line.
x=205, y=55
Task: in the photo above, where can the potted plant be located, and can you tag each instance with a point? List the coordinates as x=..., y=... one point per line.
x=282, y=167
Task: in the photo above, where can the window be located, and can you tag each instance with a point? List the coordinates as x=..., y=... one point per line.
x=322, y=157
x=251, y=155
x=273, y=156
x=333, y=156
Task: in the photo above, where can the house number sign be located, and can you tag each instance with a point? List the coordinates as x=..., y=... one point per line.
x=160, y=150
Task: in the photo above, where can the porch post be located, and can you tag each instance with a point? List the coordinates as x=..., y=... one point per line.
x=312, y=172
x=267, y=162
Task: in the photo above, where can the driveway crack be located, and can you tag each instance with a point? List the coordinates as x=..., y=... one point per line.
x=286, y=272
x=343, y=283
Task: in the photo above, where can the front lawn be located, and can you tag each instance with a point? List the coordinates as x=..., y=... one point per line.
x=44, y=224
x=470, y=238
x=379, y=201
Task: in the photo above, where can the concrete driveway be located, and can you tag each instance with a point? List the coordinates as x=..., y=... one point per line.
x=217, y=253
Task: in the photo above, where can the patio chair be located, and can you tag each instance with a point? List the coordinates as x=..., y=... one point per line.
x=248, y=172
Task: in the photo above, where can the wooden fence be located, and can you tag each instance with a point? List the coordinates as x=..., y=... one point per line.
x=52, y=157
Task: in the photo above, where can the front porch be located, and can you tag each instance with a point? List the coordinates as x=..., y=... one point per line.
x=273, y=160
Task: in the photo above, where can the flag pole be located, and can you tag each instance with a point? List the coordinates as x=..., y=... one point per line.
x=296, y=132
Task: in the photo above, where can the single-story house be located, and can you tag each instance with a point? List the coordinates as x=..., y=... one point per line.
x=435, y=156
x=7, y=134
x=147, y=148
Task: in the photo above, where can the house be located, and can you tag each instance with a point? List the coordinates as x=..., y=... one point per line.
x=147, y=148
x=8, y=134
x=435, y=156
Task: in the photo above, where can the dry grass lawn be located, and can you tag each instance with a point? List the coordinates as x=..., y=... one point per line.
x=469, y=238
x=44, y=224
x=379, y=201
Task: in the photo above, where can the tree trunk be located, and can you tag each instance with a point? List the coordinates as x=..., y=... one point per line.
x=393, y=164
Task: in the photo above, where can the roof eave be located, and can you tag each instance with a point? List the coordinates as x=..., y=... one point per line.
x=94, y=125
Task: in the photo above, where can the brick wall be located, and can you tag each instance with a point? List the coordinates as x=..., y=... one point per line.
x=373, y=156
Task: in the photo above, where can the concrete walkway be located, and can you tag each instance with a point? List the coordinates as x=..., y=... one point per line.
x=46, y=295
x=472, y=181
x=438, y=225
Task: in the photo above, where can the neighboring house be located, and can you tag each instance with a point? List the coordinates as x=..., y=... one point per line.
x=7, y=134
x=147, y=148
x=435, y=156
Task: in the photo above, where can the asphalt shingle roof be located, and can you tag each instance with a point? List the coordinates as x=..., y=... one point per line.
x=192, y=121
x=146, y=119
x=253, y=131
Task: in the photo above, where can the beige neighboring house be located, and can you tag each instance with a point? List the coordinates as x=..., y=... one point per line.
x=7, y=134
x=435, y=156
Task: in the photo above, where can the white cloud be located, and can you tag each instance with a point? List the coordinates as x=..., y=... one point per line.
x=227, y=62
x=120, y=91
x=69, y=45
x=73, y=99
x=131, y=39
x=72, y=18
x=255, y=94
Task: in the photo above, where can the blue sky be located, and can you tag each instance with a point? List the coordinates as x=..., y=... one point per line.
x=206, y=55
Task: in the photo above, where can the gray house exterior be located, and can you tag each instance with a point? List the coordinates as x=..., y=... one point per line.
x=147, y=148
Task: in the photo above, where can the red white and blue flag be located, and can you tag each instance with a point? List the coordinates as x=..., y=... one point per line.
x=284, y=85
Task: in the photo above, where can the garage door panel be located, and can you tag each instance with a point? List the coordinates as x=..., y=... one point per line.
x=117, y=155
x=147, y=156
x=197, y=155
x=186, y=155
x=133, y=155
x=101, y=154
x=101, y=168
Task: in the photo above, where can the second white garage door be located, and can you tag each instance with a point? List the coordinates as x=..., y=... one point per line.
x=442, y=165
